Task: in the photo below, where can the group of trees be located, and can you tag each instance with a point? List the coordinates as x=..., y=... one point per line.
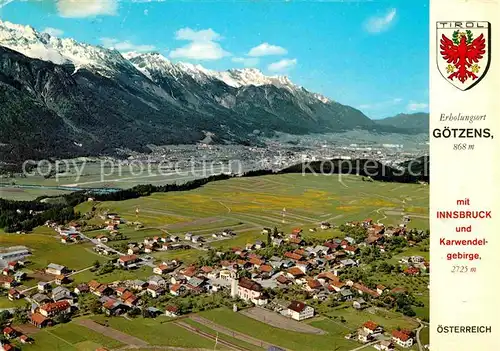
x=404, y=302
x=193, y=302
x=358, y=233
x=26, y=215
x=412, y=172
x=372, y=254
x=105, y=268
x=18, y=316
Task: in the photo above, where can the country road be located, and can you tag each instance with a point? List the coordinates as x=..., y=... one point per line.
x=52, y=281
x=421, y=326
x=365, y=345
x=97, y=243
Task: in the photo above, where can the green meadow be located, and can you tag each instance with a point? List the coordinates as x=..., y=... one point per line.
x=246, y=205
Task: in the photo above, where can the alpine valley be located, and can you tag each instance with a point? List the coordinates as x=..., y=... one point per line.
x=61, y=98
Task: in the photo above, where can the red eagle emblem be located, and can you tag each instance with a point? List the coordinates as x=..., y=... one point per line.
x=462, y=53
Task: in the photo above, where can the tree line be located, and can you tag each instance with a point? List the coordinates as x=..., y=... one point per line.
x=26, y=215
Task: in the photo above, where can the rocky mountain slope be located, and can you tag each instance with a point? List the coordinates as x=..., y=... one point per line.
x=415, y=122
x=59, y=98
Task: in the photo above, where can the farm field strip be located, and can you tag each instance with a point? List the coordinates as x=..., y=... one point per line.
x=228, y=338
x=227, y=331
x=292, y=340
x=222, y=341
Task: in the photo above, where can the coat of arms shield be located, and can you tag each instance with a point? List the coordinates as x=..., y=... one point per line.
x=463, y=53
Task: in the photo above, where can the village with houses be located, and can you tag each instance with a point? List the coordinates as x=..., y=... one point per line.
x=286, y=275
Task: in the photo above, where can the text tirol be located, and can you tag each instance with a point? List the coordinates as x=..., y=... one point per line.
x=463, y=24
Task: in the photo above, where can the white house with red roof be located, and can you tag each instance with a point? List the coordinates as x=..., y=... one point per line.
x=402, y=338
x=299, y=311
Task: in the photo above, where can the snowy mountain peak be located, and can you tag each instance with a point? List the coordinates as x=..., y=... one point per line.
x=252, y=76
x=43, y=46
x=155, y=63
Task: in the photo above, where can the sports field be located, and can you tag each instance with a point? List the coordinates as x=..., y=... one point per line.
x=246, y=205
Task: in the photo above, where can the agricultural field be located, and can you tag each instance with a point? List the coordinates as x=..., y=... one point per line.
x=353, y=318
x=333, y=339
x=246, y=205
x=224, y=337
x=93, y=175
x=158, y=331
x=46, y=249
x=70, y=337
x=26, y=194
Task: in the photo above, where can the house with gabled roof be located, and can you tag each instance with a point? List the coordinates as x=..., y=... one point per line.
x=7, y=282
x=177, y=289
x=52, y=309
x=155, y=290
x=402, y=339
x=40, y=298
x=372, y=327
x=61, y=293
x=313, y=285
x=171, y=311
x=299, y=311
x=283, y=280
x=81, y=289
x=14, y=295
x=157, y=280
x=351, y=250
x=114, y=308
x=128, y=260
x=336, y=286
x=9, y=332
x=39, y=320
x=56, y=269
x=362, y=289
x=295, y=273
x=250, y=290
x=345, y=295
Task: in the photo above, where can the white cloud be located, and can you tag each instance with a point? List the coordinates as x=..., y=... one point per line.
x=246, y=61
x=282, y=65
x=203, y=50
x=378, y=24
x=203, y=45
x=87, y=8
x=53, y=31
x=112, y=43
x=266, y=49
x=417, y=106
x=200, y=35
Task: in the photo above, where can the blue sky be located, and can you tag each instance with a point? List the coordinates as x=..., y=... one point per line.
x=370, y=55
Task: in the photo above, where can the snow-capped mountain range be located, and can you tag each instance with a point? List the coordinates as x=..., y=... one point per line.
x=236, y=78
x=60, y=97
x=43, y=46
